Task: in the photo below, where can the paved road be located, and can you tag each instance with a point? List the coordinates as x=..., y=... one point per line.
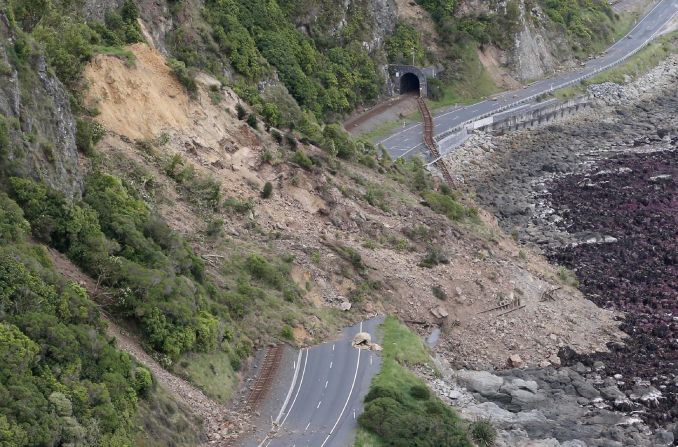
x=408, y=141
x=325, y=394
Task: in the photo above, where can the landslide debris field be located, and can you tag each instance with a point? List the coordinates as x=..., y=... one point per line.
x=598, y=194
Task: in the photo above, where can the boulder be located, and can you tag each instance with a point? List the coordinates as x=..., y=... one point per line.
x=481, y=382
x=362, y=338
x=514, y=361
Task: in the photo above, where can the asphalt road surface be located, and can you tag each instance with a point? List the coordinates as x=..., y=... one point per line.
x=325, y=396
x=408, y=141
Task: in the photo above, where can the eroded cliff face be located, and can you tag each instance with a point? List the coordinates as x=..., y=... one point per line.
x=537, y=49
x=37, y=114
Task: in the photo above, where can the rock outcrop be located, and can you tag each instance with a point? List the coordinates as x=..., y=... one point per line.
x=37, y=113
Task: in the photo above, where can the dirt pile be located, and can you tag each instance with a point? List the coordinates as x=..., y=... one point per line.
x=141, y=98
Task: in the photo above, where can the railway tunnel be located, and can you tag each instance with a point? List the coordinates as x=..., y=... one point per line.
x=409, y=79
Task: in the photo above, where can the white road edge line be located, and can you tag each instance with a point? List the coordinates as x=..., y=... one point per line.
x=294, y=381
x=350, y=393
x=301, y=381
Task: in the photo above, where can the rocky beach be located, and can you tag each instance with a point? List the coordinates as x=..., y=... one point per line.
x=596, y=193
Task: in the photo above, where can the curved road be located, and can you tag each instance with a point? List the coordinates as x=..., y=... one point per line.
x=408, y=141
x=326, y=393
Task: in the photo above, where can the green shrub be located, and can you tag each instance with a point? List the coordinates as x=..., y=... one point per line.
x=448, y=206
x=50, y=330
x=267, y=191
x=240, y=111
x=215, y=227
x=239, y=206
x=291, y=140
x=184, y=75
x=13, y=226
x=378, y=391
x=143, y=381
x=434, y=257
x=271, y=114
x=287, y=333
x=302, y=160
x=420, y=392
x=567, y=277
x=88, y=134
x=252, y=121
x=483, y=432
x=158, y=277
x=401, y=45
x=376, y=196
x=277, y=136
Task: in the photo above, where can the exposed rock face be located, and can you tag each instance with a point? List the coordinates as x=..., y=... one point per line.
x=157, y=21
x=41, y=126
x=537, y=51
x=97, y=9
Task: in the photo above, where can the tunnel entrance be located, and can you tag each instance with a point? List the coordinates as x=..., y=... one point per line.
x=409, y=84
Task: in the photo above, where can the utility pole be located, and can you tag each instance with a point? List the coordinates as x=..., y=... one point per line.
x=413, y=56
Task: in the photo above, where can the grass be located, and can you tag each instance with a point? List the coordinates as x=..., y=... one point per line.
x=364, y=438
x=401, y=347
x=642, y=62
x=120, y=53
x=162, y=422
x=390, y=127
x=619, y=29
x=472, y=83
x=211, y=372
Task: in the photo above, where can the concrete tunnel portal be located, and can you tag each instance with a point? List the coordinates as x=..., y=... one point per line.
x=409, y=79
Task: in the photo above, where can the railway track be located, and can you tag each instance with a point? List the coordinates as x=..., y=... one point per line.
x=430, y=142
x=266, y=372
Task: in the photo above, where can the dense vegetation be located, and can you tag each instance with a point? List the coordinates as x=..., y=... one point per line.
x=399, y=407
x=587, y=20
x=68, y=41
x=61, y=381
x=328, y=78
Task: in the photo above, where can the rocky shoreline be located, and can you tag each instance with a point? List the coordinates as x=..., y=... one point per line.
x=598, y=194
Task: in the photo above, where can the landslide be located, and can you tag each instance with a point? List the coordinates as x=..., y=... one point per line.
x=353, y=237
